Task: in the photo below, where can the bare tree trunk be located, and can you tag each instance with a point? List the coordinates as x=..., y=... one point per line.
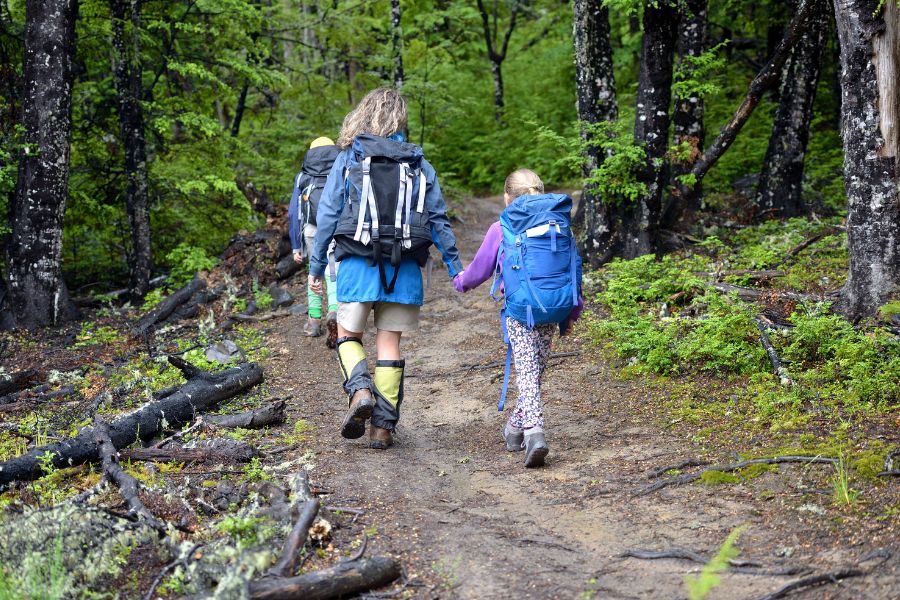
x=239, y=110
x=495, y=55
x=37, y=293
x=870, y=123
x=634, y=226
x=596, y=100
x=127, y=73
x=781, y=181
x=764, y=80
x=688, y=120
x=397, y=43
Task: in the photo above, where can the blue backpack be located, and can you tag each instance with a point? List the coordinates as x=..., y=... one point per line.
x=538, y=263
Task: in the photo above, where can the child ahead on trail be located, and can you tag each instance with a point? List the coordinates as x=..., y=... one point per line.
x=302, y=212
x=531, y=252
x=383, y=206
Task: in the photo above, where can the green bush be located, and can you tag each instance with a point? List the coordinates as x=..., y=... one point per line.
x=185, y=261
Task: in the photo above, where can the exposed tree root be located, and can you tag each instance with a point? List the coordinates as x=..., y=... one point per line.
x=812, y=581
x=127, y=484
x=737, y=566
x=690, y=462
x=689, y=477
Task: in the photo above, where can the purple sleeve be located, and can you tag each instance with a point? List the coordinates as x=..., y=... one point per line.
x=482, y=266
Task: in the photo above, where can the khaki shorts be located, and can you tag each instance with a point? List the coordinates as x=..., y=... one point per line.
x=389, y=316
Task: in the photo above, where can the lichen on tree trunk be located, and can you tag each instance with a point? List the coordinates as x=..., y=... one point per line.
x=870, y=65
x=596, y=101
x=633, y=227
x=37, y=293
x=780, y=190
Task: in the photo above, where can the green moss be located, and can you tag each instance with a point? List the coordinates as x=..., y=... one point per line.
x=868, y=463
x=718, y=478
x=754, y=471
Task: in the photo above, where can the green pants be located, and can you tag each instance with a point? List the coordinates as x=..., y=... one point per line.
x=314, y=300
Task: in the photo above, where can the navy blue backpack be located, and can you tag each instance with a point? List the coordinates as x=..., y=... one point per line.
x=538, y=263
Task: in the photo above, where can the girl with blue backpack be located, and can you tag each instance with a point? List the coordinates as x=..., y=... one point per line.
x=383, y=207
x=532, y=256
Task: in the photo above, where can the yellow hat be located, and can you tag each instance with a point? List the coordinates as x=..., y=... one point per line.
x=321, y=141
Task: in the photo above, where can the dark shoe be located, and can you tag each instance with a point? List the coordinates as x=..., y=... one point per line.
x=379, y=438
x=535, y=449
x=313, y=327
x=331, y=325
x=513, y=438
x=361, y=406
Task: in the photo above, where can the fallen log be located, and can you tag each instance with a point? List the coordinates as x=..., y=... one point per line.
x=245, y=318
x=344, y=579
x=200, y=393
x=180, y=454
x=754, y=274
x=774, y=460
x=253, y=419
x=127, y=484
x=18, y=381
x=161, y=311
x=753, y=294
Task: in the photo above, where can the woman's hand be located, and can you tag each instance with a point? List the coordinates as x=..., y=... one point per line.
x=298, y=258
x=315, y=283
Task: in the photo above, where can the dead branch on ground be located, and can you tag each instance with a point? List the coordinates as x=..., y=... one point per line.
x=127, y=484
x=690, y=462
x=777, y=365
x=813, y=581
x=343, y=579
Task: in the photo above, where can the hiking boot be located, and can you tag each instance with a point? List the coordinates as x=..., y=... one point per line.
x=331, y=326
x=380, y=438
x=514, y=437
x=535, y=449
x=313, y=327
x=361, y=405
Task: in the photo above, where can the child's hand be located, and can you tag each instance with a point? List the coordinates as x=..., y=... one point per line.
x=298, y=258
x=457, y=282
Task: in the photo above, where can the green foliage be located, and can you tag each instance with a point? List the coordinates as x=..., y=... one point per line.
x=700, y=75
x=185, y=261
x=246, y=531
x=48, y=581
x=700, y=586
x=263, y=298
x=842, y=493
x=92, y=334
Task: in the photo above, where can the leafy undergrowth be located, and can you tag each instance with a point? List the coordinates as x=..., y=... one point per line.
x=839, y=394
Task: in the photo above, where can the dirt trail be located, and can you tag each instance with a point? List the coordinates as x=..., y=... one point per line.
x=468, y=521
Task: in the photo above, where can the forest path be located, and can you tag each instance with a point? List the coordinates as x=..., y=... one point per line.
x=469, y=521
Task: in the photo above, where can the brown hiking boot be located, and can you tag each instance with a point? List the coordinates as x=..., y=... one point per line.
x=361, y=405
x=380, y=439
x=331, y=325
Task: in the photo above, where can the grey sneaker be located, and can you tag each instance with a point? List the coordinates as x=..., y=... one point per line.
x=513, y=438
x=535, y=448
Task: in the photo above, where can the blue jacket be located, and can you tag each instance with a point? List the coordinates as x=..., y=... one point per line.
x=358, y=281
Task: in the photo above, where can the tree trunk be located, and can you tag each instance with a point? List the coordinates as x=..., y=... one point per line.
x=397, y=43
x=127, y=73
x=497, y=55
x=780, y=184
x=634, y=226
x=870, y=123
x=239, y=110
x=37, y=293
x=596, y=101
x=688, y=121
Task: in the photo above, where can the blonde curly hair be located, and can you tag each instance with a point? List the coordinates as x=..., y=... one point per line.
x=522, y=182
x=382, y=112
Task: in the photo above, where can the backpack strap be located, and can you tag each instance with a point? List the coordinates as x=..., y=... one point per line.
x=506, y=368
x=367, y=198
x=421, y=204
x=523, y=275
x=408, y=177
x=495, y=286
x=574, y=268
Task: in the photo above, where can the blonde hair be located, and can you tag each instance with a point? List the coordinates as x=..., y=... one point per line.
x=522, y=182
x=382, y=112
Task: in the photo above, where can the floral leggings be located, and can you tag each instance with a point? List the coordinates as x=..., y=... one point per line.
x=531, y=349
